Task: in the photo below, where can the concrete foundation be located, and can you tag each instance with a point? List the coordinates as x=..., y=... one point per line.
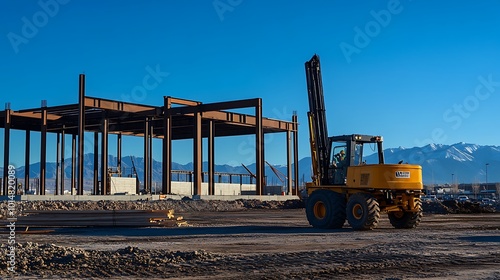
x=152, y=197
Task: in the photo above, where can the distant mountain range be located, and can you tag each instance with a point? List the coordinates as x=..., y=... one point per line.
x=467, y=163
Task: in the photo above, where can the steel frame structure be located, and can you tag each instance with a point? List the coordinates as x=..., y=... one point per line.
x=177, y=119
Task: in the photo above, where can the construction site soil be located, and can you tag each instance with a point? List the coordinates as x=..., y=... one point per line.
x=254, y=239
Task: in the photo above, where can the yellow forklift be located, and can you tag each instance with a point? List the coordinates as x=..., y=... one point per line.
x=345, y=187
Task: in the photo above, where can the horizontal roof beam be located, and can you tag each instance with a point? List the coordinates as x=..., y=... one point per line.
x=107, y=104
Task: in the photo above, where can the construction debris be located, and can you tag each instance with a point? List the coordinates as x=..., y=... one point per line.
x=100, y=218
x=169, y=221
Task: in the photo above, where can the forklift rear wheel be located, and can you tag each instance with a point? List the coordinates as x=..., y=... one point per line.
x=363, y=211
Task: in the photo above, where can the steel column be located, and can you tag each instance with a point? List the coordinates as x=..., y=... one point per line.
x=27, y=162
x=119, y=152
x=288, y=162
x=259, y=149
x=63, y=175
x=81, y=131
x=295, y=154
x=58, y=155
x=167, y=147
x=151, y=134
x=43, y=149
x=211, y=158
x=6, y=151
x=96, y=164
x=146, y=154
x=104, y=157
x=197, y=154
x=73, y=163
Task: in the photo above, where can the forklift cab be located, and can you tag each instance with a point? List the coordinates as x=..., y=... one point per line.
x=347, y=150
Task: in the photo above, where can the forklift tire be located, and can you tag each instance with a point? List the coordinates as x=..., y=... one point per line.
x=326, y=209
x=403, y=219
x=363, y=211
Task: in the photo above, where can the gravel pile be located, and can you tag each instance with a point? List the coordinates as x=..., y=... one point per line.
x=41, y=259
x=183, y=205
x=456, y=207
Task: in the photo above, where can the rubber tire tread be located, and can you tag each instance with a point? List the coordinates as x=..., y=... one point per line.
x=371, y=211
x=409, y=219
x=335, y=209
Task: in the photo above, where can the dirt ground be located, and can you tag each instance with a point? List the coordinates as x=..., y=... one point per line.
x=267, y=244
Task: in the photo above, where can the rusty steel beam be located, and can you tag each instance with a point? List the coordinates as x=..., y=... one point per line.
x=197, y=155
x=146, y=154
x=289, y=162
x=73, y=163
x=96, y=163
x=227, y=105
x=295, y=154
x=36, y=115
x=248, y=120
x=104, y=157
x=58, y=155
x=167, y=147
x=259, y=149
x=43, y=150
x=211, y=158
x=27, y=161
x=151, y=135
x=181, y=101
x=63, y=175
x=6, y=151
x=119, y=152
x=107, y=104
x=81, y=131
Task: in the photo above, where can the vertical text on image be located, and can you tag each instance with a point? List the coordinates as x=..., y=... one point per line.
x=11, y=219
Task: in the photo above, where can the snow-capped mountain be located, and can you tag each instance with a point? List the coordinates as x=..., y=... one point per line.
x=467, y=162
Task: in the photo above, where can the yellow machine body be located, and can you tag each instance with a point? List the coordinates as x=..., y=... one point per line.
x=385, y=176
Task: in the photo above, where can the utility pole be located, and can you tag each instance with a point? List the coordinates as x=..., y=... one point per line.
x=487, y=175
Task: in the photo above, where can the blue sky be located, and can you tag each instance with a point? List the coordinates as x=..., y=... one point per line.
x=415, y=72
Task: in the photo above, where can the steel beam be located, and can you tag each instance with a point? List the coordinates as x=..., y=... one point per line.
x=58, y=155
x=6, y=151
x=104, y=157
x=107, y=104
x=259, y=149
x=73, y=163
x=27, y=161
x=119, y=152
x=289, y=162
x=167, y=147
x=295, y=154
x=81, y=131
x=237, y=104
x=43, y=150
x=197, y=155
x=151, y=135
x=211, y=158
x=63, y=175
x=181, y=101
x=96, y=164
x=146, y=154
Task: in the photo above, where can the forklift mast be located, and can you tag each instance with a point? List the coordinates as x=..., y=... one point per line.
x=320, y=144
